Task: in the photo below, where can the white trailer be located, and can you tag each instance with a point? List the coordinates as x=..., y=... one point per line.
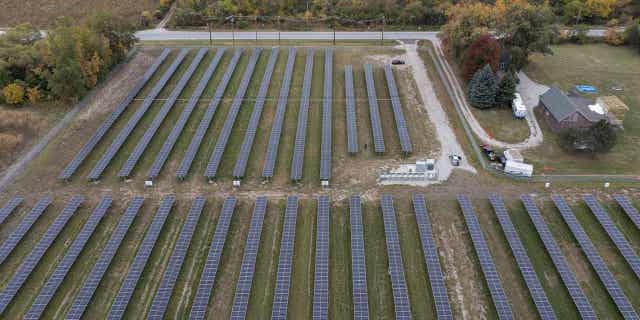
x=519, y=109
x=518, y=168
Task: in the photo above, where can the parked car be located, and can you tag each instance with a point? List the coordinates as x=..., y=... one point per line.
x=397, y=61
x=518, y=107
x=455, y=160
x=491, y=155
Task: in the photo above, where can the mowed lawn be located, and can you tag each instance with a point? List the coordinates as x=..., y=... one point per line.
x=604, y=67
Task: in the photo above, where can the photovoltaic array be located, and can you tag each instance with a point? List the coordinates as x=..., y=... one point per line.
x=486, y=260
x=252, y=128
x=522, y=259
x=31, y=261
x=221, y=144
x=171, y=140
x=321, y=274
x=358, y=263
x=629, y=209
x=92, y=281
x=374, y=110
x=609, y=282
x=205, y=122
x=18, y=233
x=120, y=303
x=396, y=266
x=303, y=114
x=170, y=276
x=243, y=287
x=436, y=277
x=350, y=104
x=62, y=269
x=208, y=275
x=276, y=129
x=117, y=143
x=568, y=277
x=9, y=207
x=285, y=261
x=325, y=144
x=401, y=124
x=73, y=166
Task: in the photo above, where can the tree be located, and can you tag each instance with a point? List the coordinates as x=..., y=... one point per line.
x=482, y=88
x=604, y=136
x=601, y=137
x=485, y=50
x=506, y=91
x=66, y=80
x=117, y=31
x=13, y=93
x=466, y=22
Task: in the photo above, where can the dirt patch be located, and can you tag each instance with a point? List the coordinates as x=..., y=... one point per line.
x=18, y=129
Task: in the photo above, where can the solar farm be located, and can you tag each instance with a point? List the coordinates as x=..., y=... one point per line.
x=240, y=182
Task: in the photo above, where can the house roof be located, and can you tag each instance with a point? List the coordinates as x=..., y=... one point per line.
x=562, y=106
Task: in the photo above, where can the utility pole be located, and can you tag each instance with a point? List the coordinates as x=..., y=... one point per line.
x=210, y=37
x=233, y=30
x=278, y=30
x=256, y=28
x=382, y=37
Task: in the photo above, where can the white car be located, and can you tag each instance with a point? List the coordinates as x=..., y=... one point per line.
x=519, y=109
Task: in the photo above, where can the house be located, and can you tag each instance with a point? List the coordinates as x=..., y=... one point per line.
x=564, y=111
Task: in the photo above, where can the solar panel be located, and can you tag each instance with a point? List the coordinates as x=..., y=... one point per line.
x=18, y=233
x=144, y=141
x=100, y=267
x=243, y=287
x=616, y=236
x=486, y=261
x=216, y=156
x=609, y=282
x=117, y=143
x=205, y=122
x=401, y=124
x=350, y=103
x=9, y=208
x=278, y=120
x=285, y=261
x=522, y=259
x=396, y=266
x=119, y=305
x=325, y=144
x=171, y=140
x=321, y=275
x=303, y=114
x=164, y=291
x=73, y=166
x=358, y=263
x=568, y=278
x=434, y=271
x=55, y=279
x=374, y=110
x=31, y=261
x=208, y=275
x=629, y=209
x=250, y=134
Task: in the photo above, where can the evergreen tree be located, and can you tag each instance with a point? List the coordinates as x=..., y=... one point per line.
x=506, y=90
x=482, y=88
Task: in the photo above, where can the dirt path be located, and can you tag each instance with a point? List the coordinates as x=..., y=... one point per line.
x=163, y=23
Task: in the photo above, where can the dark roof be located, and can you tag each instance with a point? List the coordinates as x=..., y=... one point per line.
x=562, y=106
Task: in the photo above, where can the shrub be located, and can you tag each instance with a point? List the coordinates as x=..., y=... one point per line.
x=13, y=93
x=146, y=18
x=33, y=95
x=485, y=50
x=632, y=34
x=613, y=37
x=188, y=17
x=482, y=88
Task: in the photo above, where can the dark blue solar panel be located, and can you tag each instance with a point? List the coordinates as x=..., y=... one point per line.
x=9, y=208
x=321, y=275
x=401, y=124
x=18, y=233
x=629, y=209
x=285, y=261
x=486, y=260
x=303, y=114
x=358, y=263
x=374, y=110
x=325, y=144
x=350, y=104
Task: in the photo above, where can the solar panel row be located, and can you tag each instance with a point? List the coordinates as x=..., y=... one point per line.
x=243, y=287
x=401, y=124
x=9, y=208
x=321, y=275
x=119, y=305
x=436, y=277
x=205, y=122
x=18, y=233
x=171, y=140
x=568, y=277
x=92, y=281
x=358, y=263
x=250, y=134
x=522, y=259
x=278, y=120
x=325, y=144
x=396, y=266
x=629, y=209
x=374, y=110
x=208, y=275
x=350, y=104
x=285, y=260
x=168, y=105
x=117, y=143
x=303, y=114
x=486, y=260
x=34, y=257
x=609, y=282
x=73, y=166
x=164, y=291
x=221, y=144
x=55, y=279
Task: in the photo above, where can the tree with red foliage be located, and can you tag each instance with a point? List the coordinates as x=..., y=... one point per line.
x=484, y=50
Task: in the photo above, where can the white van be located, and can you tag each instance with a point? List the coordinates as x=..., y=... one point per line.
x=519, y=109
